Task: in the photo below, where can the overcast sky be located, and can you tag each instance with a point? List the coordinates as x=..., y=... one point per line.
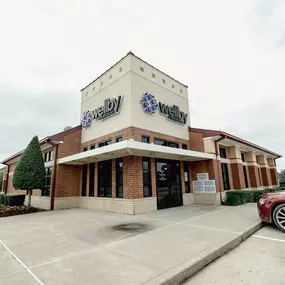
x=230, y=53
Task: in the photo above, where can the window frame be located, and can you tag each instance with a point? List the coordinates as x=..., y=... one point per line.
x=48, y=180
x=225, y=176
x=104, y=143
x=108, y=191
x=145, y=137
x=187, y=183
x=223, y=152
x=148, y=172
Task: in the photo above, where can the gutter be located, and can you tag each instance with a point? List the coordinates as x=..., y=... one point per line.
x=218, y=166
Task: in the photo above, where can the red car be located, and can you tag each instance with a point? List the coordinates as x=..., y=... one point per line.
x=271, y=208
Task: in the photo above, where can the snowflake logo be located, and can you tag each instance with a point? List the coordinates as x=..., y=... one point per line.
x=86, y=119
x=149, y=103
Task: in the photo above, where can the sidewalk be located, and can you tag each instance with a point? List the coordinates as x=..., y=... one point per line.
x=80, y=246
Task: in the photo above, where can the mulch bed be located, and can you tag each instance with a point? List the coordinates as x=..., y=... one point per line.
x=6, y=211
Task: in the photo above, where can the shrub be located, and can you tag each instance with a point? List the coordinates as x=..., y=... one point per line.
x=2, y=199
x=14, y=200
x=239, y=197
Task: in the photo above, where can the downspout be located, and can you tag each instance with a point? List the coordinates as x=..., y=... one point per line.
x=54, y=173
x=218, y=166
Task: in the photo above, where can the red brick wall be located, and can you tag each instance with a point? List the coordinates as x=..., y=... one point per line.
x=238, y=177
x=266, y=177
x=253, y=176
x=68, y=181
x=196, y=141
x=136, y=134
x=274, y=177
x=71, y=144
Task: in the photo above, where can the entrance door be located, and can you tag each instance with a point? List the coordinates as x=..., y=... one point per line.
x=168, y=184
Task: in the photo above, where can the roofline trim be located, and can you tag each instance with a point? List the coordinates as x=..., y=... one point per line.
x=131, y=53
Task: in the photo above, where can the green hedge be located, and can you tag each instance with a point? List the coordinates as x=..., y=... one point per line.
x=12, y=200
x=239, y=197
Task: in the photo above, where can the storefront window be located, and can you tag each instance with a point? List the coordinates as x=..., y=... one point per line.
x=91, y=179
x=145, y=139
x=48, y=156
x=84, y=180
x=105, y=178
x=245, y=176
x=46, y=190
x=186, y=177
x=105, y=143
x=225, y=175
x=223, y=153
x=119, y=177
x=166, y=143
x=146, y=177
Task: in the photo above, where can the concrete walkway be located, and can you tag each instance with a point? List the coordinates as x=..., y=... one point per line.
x=80, y=246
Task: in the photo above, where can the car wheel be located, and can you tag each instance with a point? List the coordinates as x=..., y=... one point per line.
x=279, y=217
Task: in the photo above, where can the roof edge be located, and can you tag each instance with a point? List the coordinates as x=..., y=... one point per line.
x=131, y=53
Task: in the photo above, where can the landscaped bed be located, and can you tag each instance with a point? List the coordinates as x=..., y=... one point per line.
x=6, y=211
x=11, y=205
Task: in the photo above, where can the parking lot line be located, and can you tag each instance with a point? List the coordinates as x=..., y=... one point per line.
x=22, y=263
x=268, y=238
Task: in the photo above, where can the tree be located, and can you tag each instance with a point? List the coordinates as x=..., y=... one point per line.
x=1, y=180
x=281, y=175
x=29, y=173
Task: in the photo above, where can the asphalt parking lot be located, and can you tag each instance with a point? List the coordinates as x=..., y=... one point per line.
x=258, y=260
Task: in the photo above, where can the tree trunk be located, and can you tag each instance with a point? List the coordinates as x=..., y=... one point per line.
x=29, y=197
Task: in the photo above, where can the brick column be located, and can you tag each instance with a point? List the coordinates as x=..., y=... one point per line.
x=113, y=178
x=273, y=172
x=252, y=169
x=265, y=173
x=237, y=168
x=132, y=177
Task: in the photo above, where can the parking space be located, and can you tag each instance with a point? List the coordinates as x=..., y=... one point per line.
x=258, y=260
x=81, y=246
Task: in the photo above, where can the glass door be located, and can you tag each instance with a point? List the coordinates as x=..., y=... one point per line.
x=168, y=184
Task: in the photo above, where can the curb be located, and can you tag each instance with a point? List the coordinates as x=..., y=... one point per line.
x=181, y=272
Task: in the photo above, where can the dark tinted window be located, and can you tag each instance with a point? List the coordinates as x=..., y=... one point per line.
x=146, y=176
x=245, y=176
x=145, y=139
x=84, y=180
x=119, y=139
x=48, y=156
x=166, y=143
x=242, y=157
x=85, y=149
x=105, y=178
x=92, y=146
x=119, y=177
x=91, y=179
x=225, y=175
x=46, y=190
x=184, y=146
x=223, y=153
x=105, y=143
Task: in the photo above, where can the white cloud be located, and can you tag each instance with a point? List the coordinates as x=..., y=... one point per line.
x=230, y=53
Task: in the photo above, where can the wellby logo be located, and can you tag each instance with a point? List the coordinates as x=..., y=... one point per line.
x=172, y=113
x=110, y=108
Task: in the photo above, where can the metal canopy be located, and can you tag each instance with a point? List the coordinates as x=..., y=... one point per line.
x=131, y=147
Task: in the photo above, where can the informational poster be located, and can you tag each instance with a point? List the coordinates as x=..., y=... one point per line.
x=202, y=176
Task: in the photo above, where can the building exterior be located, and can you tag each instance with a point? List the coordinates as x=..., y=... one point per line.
x=135, y=150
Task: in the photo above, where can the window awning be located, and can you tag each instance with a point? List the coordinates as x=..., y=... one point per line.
x=131, y=147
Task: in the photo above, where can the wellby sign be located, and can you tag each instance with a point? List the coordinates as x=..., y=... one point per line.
x=110, y=108
x=172, y=113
